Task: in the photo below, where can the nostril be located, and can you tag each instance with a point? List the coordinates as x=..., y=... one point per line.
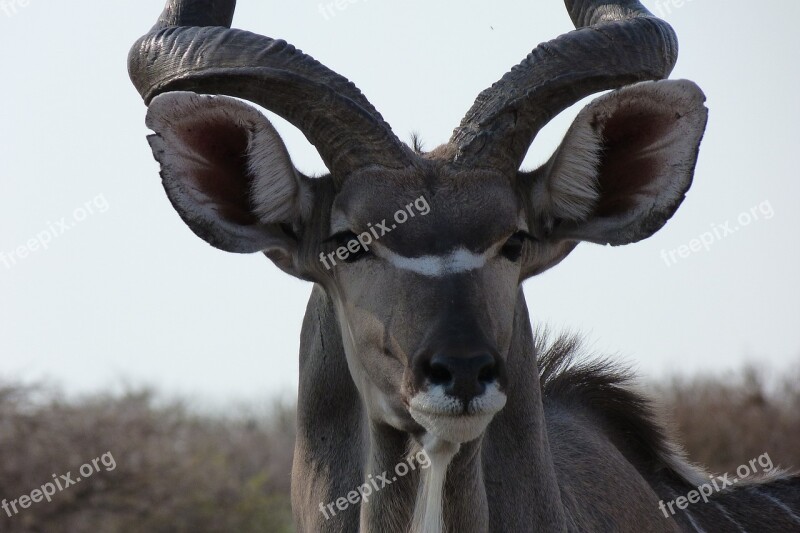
x=487, y=374
x=439, y=374
x=462, y=376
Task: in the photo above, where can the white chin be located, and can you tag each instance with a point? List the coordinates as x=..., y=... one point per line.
x=443, y=416
x=455, y=429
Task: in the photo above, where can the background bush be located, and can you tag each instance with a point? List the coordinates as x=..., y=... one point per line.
x=177, y=471
x=183, y=471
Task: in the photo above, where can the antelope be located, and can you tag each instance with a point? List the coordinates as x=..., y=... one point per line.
x=420, y=341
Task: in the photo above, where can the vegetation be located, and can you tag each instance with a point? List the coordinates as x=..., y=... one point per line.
x=725, y=422
x=181, y=471
x=176, y=471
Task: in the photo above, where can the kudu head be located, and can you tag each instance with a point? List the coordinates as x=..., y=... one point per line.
x=422, y=254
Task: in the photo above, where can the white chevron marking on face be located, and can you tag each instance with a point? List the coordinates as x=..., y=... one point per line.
x=459, y=260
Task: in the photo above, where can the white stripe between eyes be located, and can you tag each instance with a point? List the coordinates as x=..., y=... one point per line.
x=460, y=260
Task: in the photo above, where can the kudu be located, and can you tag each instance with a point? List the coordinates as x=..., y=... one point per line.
x=422, y=341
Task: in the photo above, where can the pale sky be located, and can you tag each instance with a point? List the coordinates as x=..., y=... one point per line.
x=128, y=294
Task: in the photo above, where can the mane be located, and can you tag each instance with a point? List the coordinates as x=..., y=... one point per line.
x=606, y=390
x=416, y=143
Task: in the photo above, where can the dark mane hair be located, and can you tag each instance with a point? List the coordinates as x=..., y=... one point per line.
x=606, y=389
x=416, y=143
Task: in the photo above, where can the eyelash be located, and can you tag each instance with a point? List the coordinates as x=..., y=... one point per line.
x=342, y=239
x=514, y=246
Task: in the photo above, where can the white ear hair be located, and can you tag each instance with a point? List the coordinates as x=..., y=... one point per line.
x=275, y=185
x=571, y=191
x=274, y=196
x=227, y=171
x=624, y=166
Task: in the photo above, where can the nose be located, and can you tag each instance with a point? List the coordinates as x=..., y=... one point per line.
x=463, y=377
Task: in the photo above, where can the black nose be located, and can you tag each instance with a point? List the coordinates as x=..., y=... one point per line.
x=462, y=377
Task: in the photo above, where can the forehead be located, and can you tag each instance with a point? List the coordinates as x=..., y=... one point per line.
x=450, y=209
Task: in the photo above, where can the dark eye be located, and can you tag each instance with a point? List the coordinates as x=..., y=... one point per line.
x=349, y=241
x=512, y=249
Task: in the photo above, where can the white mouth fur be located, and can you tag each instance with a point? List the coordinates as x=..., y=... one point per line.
x=443, y=416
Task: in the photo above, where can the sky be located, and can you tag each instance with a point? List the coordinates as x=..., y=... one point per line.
x=103, y=287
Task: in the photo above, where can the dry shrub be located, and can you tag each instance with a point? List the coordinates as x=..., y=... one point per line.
x=176, y=471
x=180, y=471
x=723, y=422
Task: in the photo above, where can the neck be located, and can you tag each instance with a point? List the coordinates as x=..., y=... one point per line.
x=522, y=486
x=506, y=479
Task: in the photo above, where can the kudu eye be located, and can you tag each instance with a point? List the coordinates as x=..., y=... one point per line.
x=349, y=241
x=512, y=249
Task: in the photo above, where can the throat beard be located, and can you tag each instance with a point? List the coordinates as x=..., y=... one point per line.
x=429, y=508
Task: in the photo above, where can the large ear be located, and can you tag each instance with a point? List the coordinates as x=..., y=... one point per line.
x=228, y=174
x=623, y=168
